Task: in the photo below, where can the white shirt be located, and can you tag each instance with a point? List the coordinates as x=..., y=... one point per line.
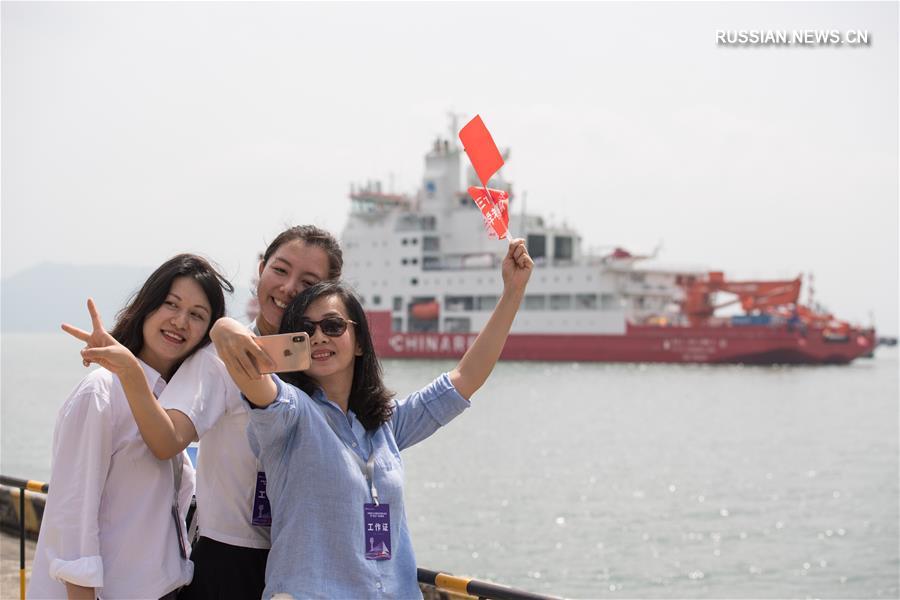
x=227, y=469
x=108, y=519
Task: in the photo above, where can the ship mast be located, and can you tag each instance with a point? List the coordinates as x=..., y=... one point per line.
x=454, y=126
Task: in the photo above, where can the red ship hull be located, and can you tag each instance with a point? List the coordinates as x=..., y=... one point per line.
x=712, y=344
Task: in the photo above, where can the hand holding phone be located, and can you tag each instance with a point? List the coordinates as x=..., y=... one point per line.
x=287, y=351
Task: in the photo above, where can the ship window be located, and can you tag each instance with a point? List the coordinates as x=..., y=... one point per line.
x=397, y=324
x=459, y=302
x=414, y=241
x=560, y=302
x=585, y=301
x=637, y=277
x=362, y=300
x=376, y=300
x=535, y=302
x=414, y=281
x=537, y=245
x=430, y=263
x=404, y=241
x=608, y=301
x=398, y=302
x=429, y=223
x=414, y=261
x=487, y=302
x=431, y=243
x=562, y=247
x=403, y=261
x=457, y=324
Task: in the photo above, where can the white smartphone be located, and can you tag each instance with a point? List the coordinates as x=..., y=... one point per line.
x=289, y=351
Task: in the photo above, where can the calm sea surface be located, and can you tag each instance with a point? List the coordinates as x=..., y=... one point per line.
x=590, y=480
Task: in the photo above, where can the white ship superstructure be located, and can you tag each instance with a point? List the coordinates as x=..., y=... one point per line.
x=427, y=259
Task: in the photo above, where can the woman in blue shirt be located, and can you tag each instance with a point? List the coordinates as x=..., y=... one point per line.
x=330, y=439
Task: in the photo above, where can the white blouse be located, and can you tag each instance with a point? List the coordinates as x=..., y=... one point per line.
x=227, y=469
x=108, y=521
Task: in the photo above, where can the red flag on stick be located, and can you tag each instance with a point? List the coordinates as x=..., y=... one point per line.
x=482, y=150
x=494, y=206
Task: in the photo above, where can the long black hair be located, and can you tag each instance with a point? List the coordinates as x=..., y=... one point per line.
x=129, y=327
x=369, y=399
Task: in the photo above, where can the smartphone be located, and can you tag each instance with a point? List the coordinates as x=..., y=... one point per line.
x=289, y=351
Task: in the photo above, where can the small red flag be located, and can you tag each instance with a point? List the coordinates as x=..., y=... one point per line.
x=480, y=147
x=494, y=206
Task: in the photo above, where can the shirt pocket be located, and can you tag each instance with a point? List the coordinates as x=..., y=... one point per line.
x=388, y=461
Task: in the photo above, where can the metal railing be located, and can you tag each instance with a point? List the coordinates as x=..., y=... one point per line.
x=440, y=580
x=475, y=588
x=22, y=485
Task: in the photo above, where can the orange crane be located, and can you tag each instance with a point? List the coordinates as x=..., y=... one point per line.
x=763, y=296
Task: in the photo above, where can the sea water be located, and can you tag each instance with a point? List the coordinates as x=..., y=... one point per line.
x=605, y=481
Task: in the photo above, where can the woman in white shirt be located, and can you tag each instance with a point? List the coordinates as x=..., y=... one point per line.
x=202, y=402
x=113, y=526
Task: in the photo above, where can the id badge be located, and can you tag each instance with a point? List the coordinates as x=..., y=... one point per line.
x=262, y=510
x=378, y=531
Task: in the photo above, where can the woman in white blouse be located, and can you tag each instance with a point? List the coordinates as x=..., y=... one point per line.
x=113, y=526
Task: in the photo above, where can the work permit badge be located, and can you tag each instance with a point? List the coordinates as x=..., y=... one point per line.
x=378, y=531
x=262, y=510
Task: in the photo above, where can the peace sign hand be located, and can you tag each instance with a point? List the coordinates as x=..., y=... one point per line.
x=101, y=347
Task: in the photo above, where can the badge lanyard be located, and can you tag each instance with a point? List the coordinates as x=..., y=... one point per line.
x=177, y=463
x=376, y=516
x=261, y=512
x=367, y=467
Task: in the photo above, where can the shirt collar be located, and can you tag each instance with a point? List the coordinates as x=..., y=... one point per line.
x=154, y=379
x=319, y=396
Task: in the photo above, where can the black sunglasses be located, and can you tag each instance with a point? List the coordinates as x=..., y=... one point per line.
x=331, y=326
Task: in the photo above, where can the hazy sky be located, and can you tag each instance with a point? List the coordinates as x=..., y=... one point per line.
x=134, y=131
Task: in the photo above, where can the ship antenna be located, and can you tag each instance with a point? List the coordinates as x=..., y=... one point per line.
x=454, y=125
x=454, y=122
x=812, y=290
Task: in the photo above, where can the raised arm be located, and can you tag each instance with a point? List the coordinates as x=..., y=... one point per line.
x=166, y=433
x=237, y=348
x=225, y=334
x=479, y=360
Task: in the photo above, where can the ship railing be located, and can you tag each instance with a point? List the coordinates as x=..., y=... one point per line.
x=443, y=584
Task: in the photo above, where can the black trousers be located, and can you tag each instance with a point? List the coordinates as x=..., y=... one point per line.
x=223, y=572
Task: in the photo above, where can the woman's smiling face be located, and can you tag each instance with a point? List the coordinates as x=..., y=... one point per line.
x=175, y=328
x=292, y=268
x=333, y=358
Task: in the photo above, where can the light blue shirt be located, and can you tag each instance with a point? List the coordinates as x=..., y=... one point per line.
x=317, y=490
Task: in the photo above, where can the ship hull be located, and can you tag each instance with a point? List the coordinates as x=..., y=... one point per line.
x=758, y=345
